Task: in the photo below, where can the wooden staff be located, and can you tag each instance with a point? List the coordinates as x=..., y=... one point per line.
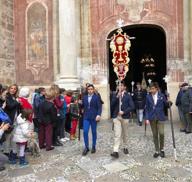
x=120, y=97
x=79, y=134
x=145, y=128
x=149, y=81
x=171, y=120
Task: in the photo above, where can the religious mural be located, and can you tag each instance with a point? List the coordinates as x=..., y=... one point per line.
x=36, y=33
x=34, y=29
x=37, y=39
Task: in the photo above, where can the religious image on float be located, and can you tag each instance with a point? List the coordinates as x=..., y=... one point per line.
x=37, y=33
x=148, y=65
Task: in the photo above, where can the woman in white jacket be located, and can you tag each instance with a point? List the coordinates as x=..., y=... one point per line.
x=23, y=130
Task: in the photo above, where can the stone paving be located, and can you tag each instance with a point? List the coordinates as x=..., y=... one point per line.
x=66, y=164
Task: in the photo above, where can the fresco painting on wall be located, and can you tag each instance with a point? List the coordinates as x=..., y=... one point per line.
x=134, y=8
x=37, y=39
x=37, y=42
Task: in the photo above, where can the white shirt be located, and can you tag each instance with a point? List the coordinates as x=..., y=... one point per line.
x=89, y=99
x=122, y=94
x=155, y=98
x=1, y=133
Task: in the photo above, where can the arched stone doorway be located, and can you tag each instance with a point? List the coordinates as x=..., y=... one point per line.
x=150, y=42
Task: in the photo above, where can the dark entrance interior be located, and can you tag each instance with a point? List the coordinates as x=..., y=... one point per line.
x=149, y=44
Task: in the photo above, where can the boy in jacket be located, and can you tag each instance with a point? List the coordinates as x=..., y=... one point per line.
x=121, y=118
x=74, y=111
x=155, y=115
x=91, y=115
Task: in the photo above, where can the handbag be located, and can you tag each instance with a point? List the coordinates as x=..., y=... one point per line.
x=4, y=117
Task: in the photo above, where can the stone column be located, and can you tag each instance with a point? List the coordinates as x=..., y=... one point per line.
x=186, y=32
x=67, y=44
x=86, y=57
x=190, y=30
x=56, y=38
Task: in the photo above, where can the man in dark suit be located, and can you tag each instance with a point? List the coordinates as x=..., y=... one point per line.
x=155, y=114
x=139, y=100
x=91, y=115
x=186, y=107
x=178, y=104
x=121, y=115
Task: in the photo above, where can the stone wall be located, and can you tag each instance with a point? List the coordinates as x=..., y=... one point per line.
x=166, y=14
x=7, y=63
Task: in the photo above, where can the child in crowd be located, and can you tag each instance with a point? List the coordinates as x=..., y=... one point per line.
x=61, y=106
x=38, y=98
x=22, y=132
x=74, y=114
x=68, y=98
x=23, y=100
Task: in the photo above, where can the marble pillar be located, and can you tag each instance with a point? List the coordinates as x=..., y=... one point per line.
x=56, y=39
x=187, y=27
x=86, y=70
x=68, y=21
x=190, y=30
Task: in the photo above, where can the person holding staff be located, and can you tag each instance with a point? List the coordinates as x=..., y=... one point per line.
x=155, y=115
x=121, y=114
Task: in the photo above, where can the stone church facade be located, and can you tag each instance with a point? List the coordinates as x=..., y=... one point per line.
x=65, y=41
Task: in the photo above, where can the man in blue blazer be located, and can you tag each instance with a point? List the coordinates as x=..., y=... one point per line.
x=155, y=114
x=121, y=115
x=91, y=115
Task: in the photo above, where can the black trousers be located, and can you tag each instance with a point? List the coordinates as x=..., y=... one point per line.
x=68, y=123
x=56, y=127
x=61, y=129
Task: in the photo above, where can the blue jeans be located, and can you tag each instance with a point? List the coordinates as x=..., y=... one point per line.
x=86, y=126
x=140, y=115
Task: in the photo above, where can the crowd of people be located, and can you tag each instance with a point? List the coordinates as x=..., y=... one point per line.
x=49, y=114
x=53, y=113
